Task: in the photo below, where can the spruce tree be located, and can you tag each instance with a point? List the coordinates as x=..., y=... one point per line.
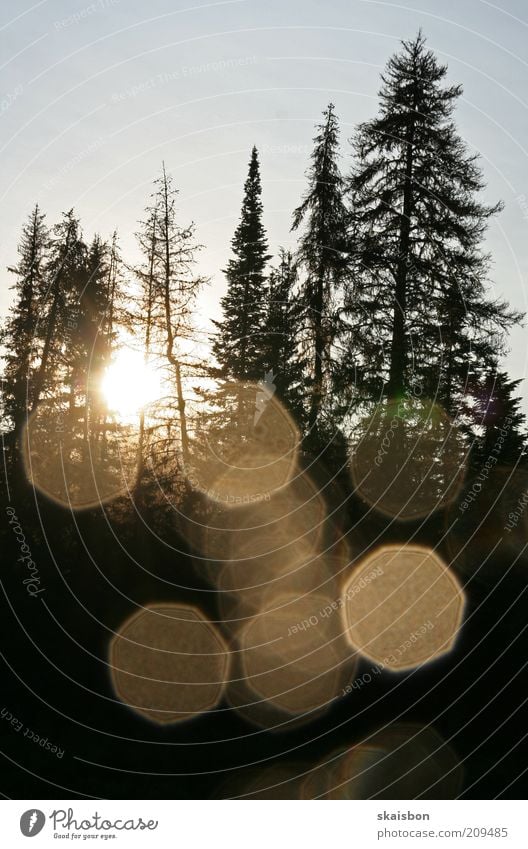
x=418, y=308
x=238, y=342
x=67, y=451
x=58, y=319
x=497, y=412
x=283, y=359
x=18, y=335
x=110, y=315
x=94, y=339
x=322, y=258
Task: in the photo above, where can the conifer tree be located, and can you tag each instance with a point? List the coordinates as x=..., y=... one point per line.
x=66, y=450
x=496, y=410
x=110, y=316
x=321, y=256
x=19, y=332
x=238, y=342
x=93, y=336
x=418, y=306
x=283, y=359
x=57, y=321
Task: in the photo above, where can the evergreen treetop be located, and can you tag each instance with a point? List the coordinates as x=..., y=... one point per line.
x=238, y=344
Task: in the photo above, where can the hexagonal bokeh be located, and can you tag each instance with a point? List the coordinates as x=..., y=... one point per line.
x=285, y=528
x=408, y=458
x=169, y=663
x=76, y=469
x=402, y=607
x=402, y=761
x=251, y=454
x=248, y=586
x=294, y=657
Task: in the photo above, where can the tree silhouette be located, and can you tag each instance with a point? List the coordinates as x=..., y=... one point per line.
x=283, y=356
x=321, y=255
x=169, y=287
x=58, y=320
x=496, y=410
x=238, y=341
x=418, y=304
x=20, y=329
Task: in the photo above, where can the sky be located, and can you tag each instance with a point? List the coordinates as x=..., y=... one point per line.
x=96, y=94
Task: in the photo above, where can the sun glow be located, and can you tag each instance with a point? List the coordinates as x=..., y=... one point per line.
x=130, y=384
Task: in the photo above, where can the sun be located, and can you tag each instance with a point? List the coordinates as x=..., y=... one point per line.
x=130, y=384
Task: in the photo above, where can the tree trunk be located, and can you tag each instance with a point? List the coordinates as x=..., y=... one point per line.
x=170, y=334
x=398, y=354
x=317, y=392
x=41, y=374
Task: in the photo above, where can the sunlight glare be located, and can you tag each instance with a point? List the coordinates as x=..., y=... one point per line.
x=130, y=384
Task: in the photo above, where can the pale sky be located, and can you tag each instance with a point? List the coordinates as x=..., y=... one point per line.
x=95, y=95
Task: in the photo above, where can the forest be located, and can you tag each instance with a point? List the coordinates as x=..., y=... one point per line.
x=348, y=402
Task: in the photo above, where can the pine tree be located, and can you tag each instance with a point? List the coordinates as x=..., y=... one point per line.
x=110, y=316
x=19, y=332
x=418, y=305
x=321, y=255
x=88, y=346
x=497, y=411
x=58, y=318
x=67, y=453
x=238, y=343
x=94, y=342
x=282, y=357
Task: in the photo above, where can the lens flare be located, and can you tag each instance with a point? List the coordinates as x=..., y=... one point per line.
x=403, y=761
x=402, y=607
x=78, y=467
x=169, y=663
x=294, y=662
x=250, y=454
x=408, y=459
